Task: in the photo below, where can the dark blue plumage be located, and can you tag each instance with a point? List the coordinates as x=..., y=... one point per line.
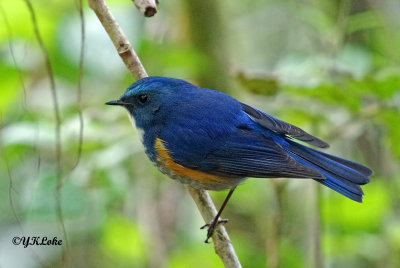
x=212, y=141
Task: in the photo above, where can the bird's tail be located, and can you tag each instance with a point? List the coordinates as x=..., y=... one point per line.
x=341, y=175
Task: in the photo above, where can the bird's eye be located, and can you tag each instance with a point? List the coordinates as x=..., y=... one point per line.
x=143, y=98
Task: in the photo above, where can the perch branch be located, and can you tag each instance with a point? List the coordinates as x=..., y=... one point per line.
x=222, y=244
x=118, y=38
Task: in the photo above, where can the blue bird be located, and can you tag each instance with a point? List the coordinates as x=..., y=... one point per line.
x=211, y=141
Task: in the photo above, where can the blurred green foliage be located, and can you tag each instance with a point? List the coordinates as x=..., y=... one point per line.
x=331, y=67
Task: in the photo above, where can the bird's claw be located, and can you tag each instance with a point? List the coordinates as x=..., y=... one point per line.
x=210, y=223
x=211, y=227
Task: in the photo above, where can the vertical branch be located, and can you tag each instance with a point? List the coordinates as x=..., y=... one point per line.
x=222, y=244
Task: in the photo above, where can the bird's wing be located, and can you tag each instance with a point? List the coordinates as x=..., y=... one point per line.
x=281, y=127
x=243, y=153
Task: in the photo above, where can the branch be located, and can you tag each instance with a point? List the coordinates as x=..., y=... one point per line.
x=222, y=244
x=52, y=87
x=118, y=38
x=57, y=124
x=147, y=7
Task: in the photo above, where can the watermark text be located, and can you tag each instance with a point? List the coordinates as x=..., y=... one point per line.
x=36, y=241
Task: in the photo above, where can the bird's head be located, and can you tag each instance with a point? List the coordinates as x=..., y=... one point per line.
x=149, y=100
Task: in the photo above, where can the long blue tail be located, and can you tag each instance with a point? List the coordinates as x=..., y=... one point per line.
x=341, y=175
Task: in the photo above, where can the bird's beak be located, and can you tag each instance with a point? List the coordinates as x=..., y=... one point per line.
x=116, y=102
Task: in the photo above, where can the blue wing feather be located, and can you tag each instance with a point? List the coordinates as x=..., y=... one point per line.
x=341, y=175
x=250, y=154
x=281, y=127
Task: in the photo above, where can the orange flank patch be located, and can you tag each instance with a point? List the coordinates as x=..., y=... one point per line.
x=165, y=159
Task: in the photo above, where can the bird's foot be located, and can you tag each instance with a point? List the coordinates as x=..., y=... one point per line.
x=211, y=227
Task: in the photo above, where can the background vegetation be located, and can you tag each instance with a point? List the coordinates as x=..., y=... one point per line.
x=331, y=67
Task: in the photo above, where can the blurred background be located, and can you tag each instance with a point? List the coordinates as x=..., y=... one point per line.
x=330, y=67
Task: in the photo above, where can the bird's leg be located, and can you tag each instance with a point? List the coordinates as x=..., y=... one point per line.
x=211, y=226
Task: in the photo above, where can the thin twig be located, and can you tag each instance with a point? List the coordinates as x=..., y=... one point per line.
x=11, y=189
x=79, y=94
x=222, y=245
x=21, y=79
x=78, y=97
x=57, y=119
x=52, y=86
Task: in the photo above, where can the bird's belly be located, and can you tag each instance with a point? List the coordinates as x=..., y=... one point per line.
x=199, y=181
x=194, y=178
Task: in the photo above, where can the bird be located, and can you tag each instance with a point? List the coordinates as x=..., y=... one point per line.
x=211, y=141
